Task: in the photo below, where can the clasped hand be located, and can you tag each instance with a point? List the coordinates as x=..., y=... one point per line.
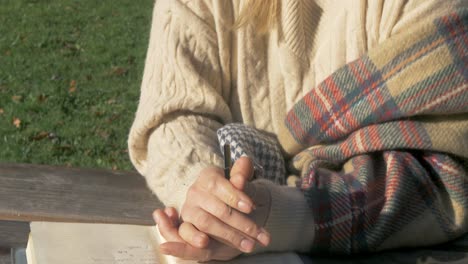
x=217, y=220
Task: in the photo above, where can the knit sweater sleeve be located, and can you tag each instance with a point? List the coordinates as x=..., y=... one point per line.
x=182, y=101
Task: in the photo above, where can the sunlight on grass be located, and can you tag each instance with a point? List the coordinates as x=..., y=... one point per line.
x=70, y=73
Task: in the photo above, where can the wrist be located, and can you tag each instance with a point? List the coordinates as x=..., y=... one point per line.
x=285, y=214
x=261, y=198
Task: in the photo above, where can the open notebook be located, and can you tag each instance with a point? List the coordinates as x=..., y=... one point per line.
x=77, y=243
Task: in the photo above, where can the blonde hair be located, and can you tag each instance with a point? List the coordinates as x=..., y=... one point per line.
x=263, y=14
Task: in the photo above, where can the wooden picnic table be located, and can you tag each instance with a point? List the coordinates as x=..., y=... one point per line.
x=60, y=194
x=47, y=193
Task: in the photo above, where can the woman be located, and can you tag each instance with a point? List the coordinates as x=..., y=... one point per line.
x=212, y=63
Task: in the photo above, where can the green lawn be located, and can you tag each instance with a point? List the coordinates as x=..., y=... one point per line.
x=70, y=72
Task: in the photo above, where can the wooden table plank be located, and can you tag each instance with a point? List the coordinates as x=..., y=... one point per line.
x=13, y=234
x=5, y=256
x=47, y=193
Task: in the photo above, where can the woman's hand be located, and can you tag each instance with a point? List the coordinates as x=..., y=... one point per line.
x=218, y=207
x=206, y=205
x=167, y=221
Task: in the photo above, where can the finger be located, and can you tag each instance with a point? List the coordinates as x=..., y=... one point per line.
x=234, y=218
x=173, y=215
x=166, y=227
x=185, y=251
x=211, y=225
x=242, y=171
x=217, y=185
x=193, y=236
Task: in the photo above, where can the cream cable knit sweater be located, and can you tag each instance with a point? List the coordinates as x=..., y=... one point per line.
x=200, y=75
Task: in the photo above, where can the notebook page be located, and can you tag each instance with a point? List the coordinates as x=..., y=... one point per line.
x=77, y=243
x=30, y=256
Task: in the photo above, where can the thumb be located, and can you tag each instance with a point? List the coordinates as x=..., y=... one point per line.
x=242, y=171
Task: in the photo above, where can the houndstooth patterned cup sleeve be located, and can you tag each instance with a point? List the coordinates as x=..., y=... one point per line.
x=261, y=148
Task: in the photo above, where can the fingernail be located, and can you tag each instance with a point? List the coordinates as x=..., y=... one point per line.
x=247, y=245
x=244, y=206
x=199, y=239
x=264, y=238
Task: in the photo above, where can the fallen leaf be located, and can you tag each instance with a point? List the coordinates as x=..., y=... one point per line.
x=72, y=88
x=40, y=136
x=64, y=147
x=119, y=71
x=113, y=118
x=55, y=77
x=52, y=135
x=16, y=122
x=16, y=98
x=41, y=98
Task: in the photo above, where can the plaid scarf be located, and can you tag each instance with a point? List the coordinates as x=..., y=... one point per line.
x=381, y=145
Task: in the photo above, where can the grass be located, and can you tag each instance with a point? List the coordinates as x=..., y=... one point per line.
x=70, y=72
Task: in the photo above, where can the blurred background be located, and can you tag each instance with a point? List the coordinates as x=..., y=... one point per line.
x=70, y=72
